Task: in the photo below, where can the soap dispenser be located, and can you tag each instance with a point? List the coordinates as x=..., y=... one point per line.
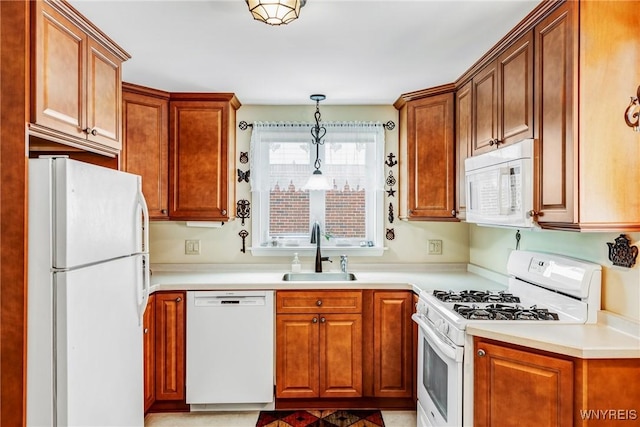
x=295, y=264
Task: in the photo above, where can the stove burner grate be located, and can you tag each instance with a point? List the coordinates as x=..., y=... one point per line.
x=476, y=296
x=503, y=312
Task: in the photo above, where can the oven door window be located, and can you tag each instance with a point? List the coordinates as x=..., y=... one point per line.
x=435, y=378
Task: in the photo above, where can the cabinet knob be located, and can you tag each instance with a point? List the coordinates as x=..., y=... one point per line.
x=532, y=214
x=223, y=211
x=322, y=320
x=319, y=302
x=90, y=131
x=481, y=353
x=453, y=212
x=178, y=299
x=163, y=211
x=314, y=320
x=146, y=330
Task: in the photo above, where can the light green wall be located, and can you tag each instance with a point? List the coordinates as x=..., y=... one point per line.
x=490, y=247
x=222, y=245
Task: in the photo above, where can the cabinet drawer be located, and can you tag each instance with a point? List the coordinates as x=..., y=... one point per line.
x=319, y=301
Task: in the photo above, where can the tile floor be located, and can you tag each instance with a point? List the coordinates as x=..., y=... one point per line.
x=248, y=419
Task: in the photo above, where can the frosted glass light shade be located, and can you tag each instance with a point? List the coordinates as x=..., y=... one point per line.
x=275, y=12
x=317, y=181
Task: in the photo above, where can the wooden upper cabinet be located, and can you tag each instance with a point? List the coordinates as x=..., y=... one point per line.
x=503, y=98
x=427, y=151
x=588, y=153
x=201, y=156
x=145, y=144
x=464, y=132
x=76, y=78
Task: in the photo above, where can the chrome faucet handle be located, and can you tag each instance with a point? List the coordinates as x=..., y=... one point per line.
x=344, y=263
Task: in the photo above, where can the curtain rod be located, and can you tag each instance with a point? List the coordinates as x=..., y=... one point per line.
x=390, y=125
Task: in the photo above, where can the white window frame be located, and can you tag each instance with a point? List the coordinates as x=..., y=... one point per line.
x=260, y=243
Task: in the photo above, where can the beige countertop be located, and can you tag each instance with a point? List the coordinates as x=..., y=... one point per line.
x=613, y=337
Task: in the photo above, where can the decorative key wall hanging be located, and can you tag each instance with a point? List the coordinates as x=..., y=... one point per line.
x=243, y=235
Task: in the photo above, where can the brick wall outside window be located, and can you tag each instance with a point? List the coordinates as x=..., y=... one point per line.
x=344, y=212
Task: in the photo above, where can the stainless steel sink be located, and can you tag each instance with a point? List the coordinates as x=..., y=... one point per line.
x=319, y=277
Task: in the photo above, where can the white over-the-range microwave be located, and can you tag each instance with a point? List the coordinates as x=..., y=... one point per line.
x=499, y=186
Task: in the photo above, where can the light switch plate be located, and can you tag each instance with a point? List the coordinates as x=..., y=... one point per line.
x=192, y=247
x=435, y=247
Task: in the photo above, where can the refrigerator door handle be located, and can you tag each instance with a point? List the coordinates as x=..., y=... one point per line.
x=145, y=289
x=145, y=218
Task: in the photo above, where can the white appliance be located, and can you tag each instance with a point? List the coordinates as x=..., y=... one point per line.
x=542, y=288
x=230, y=350
x=88, y=283
x=500, y=186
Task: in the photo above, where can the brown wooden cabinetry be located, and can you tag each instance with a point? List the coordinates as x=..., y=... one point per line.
x=427, y=180
x=145, y=143
x=393, y=344
x=587, y=151
x=170, y=346
x=516, y=385
x=503, y=98
x=318, y=344
x=76, y=78
x=201, y=156
x=464, y=139
x=149, y=342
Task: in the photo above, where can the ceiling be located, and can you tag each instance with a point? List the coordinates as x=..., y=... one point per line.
x=356, y=52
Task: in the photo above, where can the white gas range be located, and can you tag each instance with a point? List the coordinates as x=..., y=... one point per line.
x=541, y=288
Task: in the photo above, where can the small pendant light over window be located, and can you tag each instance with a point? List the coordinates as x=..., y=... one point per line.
x=275, y=12
x=317, y=181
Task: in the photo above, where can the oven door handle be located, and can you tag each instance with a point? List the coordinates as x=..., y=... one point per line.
x=442, y=345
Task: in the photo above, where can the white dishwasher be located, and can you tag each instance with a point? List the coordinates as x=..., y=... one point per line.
x=230, y=349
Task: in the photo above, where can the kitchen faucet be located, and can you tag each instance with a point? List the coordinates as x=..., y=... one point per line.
x=315, y=238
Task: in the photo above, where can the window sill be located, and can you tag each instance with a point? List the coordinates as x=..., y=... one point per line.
x=328, y=251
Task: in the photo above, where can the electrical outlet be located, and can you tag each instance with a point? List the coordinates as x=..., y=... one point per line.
x=435, y=247
x=192, y=247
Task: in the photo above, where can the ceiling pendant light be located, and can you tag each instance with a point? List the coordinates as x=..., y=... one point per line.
x=317, y=181
x=275, y=12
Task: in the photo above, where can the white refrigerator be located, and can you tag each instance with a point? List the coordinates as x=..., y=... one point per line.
x=88, y=286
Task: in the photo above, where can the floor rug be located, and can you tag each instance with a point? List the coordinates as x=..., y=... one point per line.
x=321, y=418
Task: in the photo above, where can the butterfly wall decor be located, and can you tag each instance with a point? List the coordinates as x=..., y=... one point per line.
x=243, y=176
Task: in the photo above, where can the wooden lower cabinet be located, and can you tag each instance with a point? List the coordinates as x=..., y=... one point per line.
x=170, y=346
x=345, y=347
x=318, y=354
x=516, y=385
x=149, y=352
x=392, y=344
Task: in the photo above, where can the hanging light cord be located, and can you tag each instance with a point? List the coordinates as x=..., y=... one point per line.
x=317, y=132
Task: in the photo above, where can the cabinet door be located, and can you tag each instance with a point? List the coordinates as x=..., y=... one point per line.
x=555, y=57
x=198, y=162
x=340, y=355
x=146, y=147
x=516, y=387
x=59, y=72
x=148, y=325
x=516, y=91
x=430, y=157
x=104, y=96
x=170, y=346
x=392, y=344
x=464, y=132
x=297, y=355
x=485, y=109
